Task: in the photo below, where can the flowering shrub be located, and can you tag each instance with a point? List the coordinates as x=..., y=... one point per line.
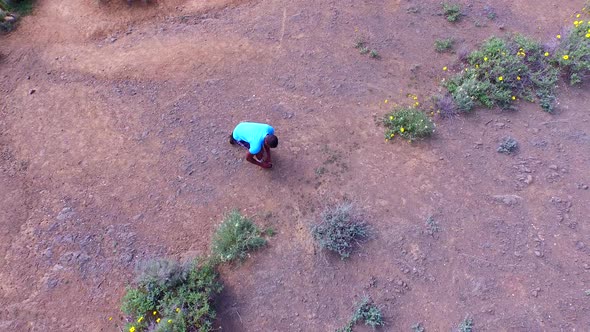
x=573, y=52
x=502, y=71
x=169, y=296
x=408, y=123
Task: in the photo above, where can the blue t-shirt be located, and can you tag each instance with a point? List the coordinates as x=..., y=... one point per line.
x=253, y=133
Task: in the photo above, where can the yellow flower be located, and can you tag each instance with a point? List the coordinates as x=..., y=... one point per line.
x=588, y=35
x=391, y=117
x=476, y=66
x=445, y=68
x=177, y=309
x=432, y=113
x=546, y=53
x=132, y=329
x=402, y=129
x=577, y=15
x=110, y=318
x=140, y=319
x=154, y=313
x=558, y=36
x=565, y=57
x=513, y=97
x=158, y=320
x=386, y=101
x=518, y=78
x=500, y=78
x=170, y=321
x=415, y=97
x=416, y=103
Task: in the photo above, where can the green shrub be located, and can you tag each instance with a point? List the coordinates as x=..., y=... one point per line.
x=444, y=45
x=235, y=237
x=408, y=123
x=367, y=312
x=573, y=52
x=452, y=11
x=169, y=296
x=339, y=229
x=502, y=71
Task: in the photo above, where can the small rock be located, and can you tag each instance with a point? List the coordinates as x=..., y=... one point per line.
x=51, y=283
x=538, y=253
x=585, y=186
x=507, y=199
x=586, y=266
x=580, y=245
x=32, y=91
x=517, y=254
x=529, y=179
x=553, y=167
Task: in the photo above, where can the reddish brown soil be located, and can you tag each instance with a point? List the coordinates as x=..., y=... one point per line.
x=113, y=150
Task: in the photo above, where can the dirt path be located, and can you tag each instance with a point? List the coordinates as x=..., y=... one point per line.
x=113, y=150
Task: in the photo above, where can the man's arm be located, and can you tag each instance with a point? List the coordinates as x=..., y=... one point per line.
x=267, y=159
x=250, y=158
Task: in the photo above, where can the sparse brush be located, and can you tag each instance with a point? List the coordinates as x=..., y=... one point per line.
x=340, y=229
x=374, y=54
x=235, y=237
x=445, y=106
x=408, y=123
x=444, y=45
x=509, y=145
x=452, y=11
x=466, y=325
x=367, y=312
x=364, y=50
x=418, y=327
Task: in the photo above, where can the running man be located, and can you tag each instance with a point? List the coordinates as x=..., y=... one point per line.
x=258, y=138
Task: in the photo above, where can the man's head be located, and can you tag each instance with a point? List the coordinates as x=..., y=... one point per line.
x=271, y=140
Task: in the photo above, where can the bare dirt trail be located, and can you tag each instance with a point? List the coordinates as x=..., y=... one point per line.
x=114, y=150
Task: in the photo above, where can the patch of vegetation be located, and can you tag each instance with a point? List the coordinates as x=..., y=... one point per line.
x=445, y=106
x=235, y=237
x=503, y=70
x=444, y=45
x=169, y=296
x=374, y=54
x=409, y=123
x=11, y=11
x=466, y=325
x=418, y=327
x=508, y=145
x=573, y=53
x=340, y=229
x=364, y=50
x=367, y=312
x=432, y=226
x=452, y=11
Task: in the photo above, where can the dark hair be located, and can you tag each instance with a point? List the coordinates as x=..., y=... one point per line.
x=272, y=141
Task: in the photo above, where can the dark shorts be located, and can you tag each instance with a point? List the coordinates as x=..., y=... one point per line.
x=244, y=144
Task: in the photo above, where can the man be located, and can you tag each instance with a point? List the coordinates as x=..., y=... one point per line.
x=258, y=138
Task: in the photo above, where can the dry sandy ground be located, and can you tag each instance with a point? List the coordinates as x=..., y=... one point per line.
x=113, y=150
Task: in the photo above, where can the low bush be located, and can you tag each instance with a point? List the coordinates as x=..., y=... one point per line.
x=408, y=123
x=169, y=296
x=444, y=45
x=235, y=237
x=452, y=11
x=573, y=52
x=339, y=229
x=502, y=71
x=366, y=312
